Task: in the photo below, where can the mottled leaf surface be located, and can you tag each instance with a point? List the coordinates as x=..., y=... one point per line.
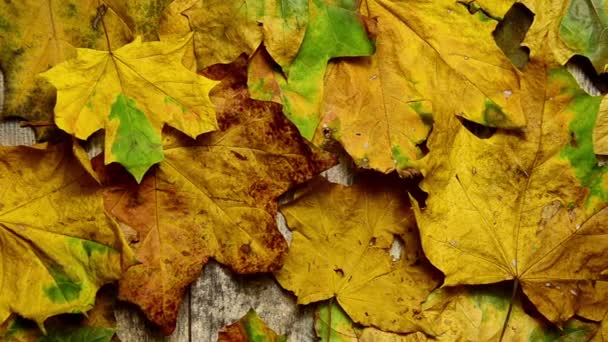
x=37, y=35
x=214, y=197
x=340, y=248
x=529, y=205
x=58, y=247
x=250, y=328
x=131, y=93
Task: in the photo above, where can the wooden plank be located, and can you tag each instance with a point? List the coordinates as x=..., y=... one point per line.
x=132, y=325
x=219, y=298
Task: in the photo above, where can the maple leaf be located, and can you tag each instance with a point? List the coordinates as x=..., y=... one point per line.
x=342, y=235
x=333, y=324
x=334, y=30
x=528, y=205
x=250, y=328
x=131, y=93
x=478, y=313
x=381, y=108
x=213, y=197
x=58, y=247
x=223, y=30
x=37, y=35
x=98, y=325
x=459, y=314
x=582, y=31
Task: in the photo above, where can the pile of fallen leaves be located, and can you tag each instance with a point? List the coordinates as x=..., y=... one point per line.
x=496, y=227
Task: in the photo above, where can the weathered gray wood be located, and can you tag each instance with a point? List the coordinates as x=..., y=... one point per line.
x=133, y=326
x=219, y=298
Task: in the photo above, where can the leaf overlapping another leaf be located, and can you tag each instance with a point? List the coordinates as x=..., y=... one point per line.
x=528, y=205
x=37, y=35
x=214, y=197
x=131, y=93
x=58, y=247
x=342, y=236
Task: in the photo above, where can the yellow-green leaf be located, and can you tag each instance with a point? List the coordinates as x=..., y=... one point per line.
x=528, y=205
x=334, y=30
x=226, y=29
x=381, y=108
x=340, y=248
x=478, y=314
x=582, y=31
x=250, y=328
x=214, y=197
x=131, y=93
x=58, y=247
x=36, y=35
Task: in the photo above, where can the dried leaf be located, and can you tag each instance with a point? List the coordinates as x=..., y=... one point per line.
x=58, y=247
x=478, y=314
x=332, y=324
x=582, y=31
x=37, y=35
x=131, y=93
x=342, y=236
x=600, y=133
x=250, y=328
x=334, y=30
x=211, y=198
x=527, y=205
x=381, y=108
x=226, y=29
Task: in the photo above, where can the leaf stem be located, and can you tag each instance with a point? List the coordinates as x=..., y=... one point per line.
x=330, y=309
x=506, y=323
x=101, y=12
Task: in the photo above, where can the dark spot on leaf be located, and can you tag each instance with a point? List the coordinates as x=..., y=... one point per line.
x=339, y=272
x=238, y=155
x=480, y=131
x=245, y=249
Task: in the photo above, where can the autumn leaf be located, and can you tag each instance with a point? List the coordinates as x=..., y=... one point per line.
x=332, y=324
x=478, y=314
x=211, y=198
x=98, y=325
x=340, y=248
x=223, y=30
x=131, y=93
x=528, y=206
x=381, y=108
x=172, y=21
x=582, y=31
x=58, y=247
x=250, y=328
x=334, y=30
x=600, y=133
x=37, y=35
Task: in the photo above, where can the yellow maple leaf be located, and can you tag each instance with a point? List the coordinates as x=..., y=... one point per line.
x=223, y=30
x=530, y=205
x=214, y=197
x=340, y=248
x=36, y=35
x=386, y=103
x=58, y=247
x=131, y=93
